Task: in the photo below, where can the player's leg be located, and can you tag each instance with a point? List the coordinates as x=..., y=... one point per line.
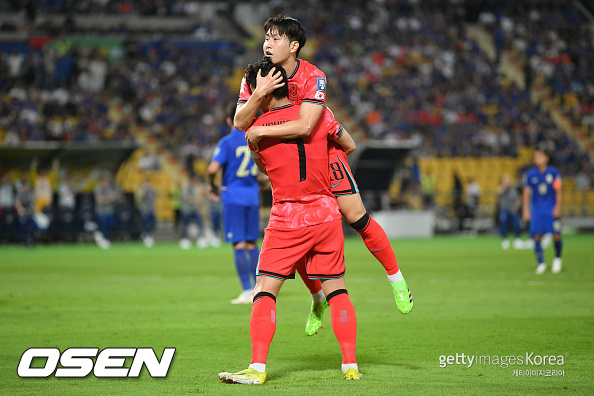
x=186, y=222
x=23, y=222
x=280, y=250
x=252, y=233
x=558, y=244
x=377, y=242
x=541, y=266
x=346, y=191
x=244, y=273
x=262, y=329
x=326, y=262
x=184, y=242
x=504, y=224
x=234, y=233
x=518, y=242
x=318, y=303
x=344, y=325
x=374, y=236
x=253, y=254
x=536, y=232
x=215, y=221
x=202, y=240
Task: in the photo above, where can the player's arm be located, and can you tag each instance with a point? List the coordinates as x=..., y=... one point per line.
x=526, y=203
x=346, y=142
x=309, y=114
x=558, y=198
x=213, y=189
x=258, y=161
x=245, y=112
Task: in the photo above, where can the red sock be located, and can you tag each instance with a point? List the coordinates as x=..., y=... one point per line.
x=377, y=242
x=262, y=327
x=313, y=285
x=344, y=324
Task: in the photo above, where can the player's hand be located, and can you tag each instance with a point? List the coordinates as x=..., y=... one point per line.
x=214, y=192
x=526, y=215
x=253, y=136
x=270, y=82
x=556, y=212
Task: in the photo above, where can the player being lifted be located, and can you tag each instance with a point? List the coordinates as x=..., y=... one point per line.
x=240, y=194
x=542, y=206
x=304, y=227
x=284, y=38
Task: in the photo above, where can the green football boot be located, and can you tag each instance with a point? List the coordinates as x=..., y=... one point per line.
x=403, y=296
x=352, y=374
x=314, y=320
x=248, y=376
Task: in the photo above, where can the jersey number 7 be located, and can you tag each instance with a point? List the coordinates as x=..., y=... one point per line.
x=301, y=151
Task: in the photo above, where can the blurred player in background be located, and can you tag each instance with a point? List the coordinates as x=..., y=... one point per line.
x=509, y=212
x=25, y=206
x=193, y=196
x=43, y=184
x=305, y=226
x=145, y=199
x=284, y=38
x=542, y=206
x=240, y=194
x=106, y=195
x=176, y=198
x=215, y=214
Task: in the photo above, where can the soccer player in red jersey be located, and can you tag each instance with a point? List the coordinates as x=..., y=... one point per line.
x=305, y=226
x=284, y=39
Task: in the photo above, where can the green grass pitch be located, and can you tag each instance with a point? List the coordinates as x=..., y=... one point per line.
x=471, y=297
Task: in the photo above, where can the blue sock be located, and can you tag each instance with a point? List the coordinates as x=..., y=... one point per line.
x=242, y=267
x=538, y=252
x=558, y=246
x=254, y=257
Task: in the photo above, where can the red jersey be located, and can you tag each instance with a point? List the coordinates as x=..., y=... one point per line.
x=298, y=171
x=307, y=84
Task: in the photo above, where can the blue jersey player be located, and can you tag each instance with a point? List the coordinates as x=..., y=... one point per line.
x=240, y=194
x=542, y=206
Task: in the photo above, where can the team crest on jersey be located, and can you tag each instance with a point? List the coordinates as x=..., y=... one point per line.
x=292, y=91
x=549, y=178
x=321, y=84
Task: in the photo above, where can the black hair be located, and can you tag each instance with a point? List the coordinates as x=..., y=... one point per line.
x=231, y=111
x=288, y=27
x=547, y=147
x=265, y=65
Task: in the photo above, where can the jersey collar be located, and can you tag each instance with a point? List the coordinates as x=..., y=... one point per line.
x=281, y=107
x=294, y=70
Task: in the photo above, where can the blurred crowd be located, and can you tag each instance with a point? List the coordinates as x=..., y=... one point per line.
x=175, y=92
x=555, y=41
x=409, y=70
x=139, y=7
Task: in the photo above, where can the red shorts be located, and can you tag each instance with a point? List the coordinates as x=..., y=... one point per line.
x=341, y=177
x=321, y=246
